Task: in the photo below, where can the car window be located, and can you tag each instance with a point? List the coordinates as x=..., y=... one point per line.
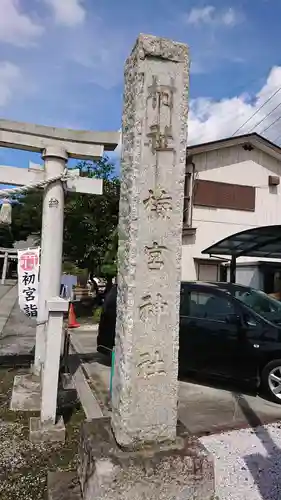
x=185, y=301
x=259, y=302
x=210, y=306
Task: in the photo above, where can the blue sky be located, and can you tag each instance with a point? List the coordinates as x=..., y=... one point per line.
x=61, y=61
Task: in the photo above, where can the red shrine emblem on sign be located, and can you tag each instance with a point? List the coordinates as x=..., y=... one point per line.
x=29, y=261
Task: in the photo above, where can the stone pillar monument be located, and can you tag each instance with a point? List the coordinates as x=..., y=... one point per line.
x=155, y=112
x=141, y=453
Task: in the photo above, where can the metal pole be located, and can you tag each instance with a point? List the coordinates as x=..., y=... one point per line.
x=4, y=270
x=233, y=269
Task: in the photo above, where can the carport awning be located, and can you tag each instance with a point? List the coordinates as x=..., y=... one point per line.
x=262, y=241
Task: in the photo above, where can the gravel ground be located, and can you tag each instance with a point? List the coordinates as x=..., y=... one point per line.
x=23, y=465
x=247, y=463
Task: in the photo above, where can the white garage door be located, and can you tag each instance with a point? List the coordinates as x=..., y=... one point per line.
x=207, y=272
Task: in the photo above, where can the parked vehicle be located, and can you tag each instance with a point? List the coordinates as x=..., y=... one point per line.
x=226, y=330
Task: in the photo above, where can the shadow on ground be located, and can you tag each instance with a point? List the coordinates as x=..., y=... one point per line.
x=265, y=470
x=16, y=360
x=215, y=406
x=217, y=383
x=92, y=357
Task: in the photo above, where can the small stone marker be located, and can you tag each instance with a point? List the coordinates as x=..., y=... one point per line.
x=145, y=385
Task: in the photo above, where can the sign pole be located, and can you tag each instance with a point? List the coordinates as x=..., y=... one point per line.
x=4, y=270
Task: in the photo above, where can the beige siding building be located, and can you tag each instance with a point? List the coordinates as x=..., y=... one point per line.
x=231, y=185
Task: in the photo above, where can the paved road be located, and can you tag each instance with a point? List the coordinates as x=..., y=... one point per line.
x=17, y=331
x=206, y=409
x=203, y=409
x=4, y=289
x=8, y=296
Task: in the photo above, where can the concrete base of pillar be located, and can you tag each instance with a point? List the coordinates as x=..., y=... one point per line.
x=63, y=486
x=173, y=471
x=46, y=432
x=35, y=370
x=26, y=395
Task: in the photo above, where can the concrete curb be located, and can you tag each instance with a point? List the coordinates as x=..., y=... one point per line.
x=90, y=404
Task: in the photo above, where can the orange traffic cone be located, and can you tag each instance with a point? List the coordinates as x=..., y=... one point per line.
x=72, y=323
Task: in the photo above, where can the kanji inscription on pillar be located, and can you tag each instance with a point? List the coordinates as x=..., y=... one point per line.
x=158, y=203
x=159, y=115
x=152, y=307
x=151, y=365
x=154, y=134
x=155, y=256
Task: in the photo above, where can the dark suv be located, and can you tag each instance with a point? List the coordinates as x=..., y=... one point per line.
x=226, y=330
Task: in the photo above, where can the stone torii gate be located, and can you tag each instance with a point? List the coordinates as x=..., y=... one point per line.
x=56, y=145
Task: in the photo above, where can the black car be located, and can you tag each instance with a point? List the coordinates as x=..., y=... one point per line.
x=226, y=330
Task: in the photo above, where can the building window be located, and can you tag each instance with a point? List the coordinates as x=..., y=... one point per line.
x=186, y=203
x=223, y=195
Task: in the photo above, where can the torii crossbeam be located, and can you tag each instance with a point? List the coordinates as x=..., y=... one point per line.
x=56, y=146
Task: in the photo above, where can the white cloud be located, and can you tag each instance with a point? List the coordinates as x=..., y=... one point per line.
x=68, y=12
x=212, y=16
x=204, y=15
x=229, y=17
x=9, y=79
x=210, y=120
x=16, y=27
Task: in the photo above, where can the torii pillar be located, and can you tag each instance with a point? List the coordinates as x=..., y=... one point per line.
x=56, y=145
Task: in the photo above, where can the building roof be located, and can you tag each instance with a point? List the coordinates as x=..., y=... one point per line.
x=254, y=139
x=264, y=242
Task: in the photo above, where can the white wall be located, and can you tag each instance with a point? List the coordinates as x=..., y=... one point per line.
x=248, y=276
x=233, y=165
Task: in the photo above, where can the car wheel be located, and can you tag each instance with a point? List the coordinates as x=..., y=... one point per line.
x=271, y=380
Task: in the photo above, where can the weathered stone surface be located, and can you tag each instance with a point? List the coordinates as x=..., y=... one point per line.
x=26, y=395
x=144, y=399
x=182, y=471
x=47, y=432
x=63, y=485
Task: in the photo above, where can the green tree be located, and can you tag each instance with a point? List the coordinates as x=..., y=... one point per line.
x=6, y=237
x=92, y=218
x=89, y=221
x=27, y=215
x=109, y=265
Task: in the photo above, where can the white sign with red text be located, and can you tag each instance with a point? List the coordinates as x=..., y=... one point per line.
x=28, y=281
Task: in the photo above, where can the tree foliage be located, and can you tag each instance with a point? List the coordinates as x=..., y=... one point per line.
x=89, y=221
x=109, y=266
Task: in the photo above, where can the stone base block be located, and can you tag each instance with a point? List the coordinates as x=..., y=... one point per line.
x=63, y=485
x=26, y=395
x=183, y=470
x=67, y=382
x=46, y=432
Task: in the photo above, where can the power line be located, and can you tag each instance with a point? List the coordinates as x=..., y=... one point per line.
x=237, y=88
x=273, y=123
x=257, y=111
x=265, y=117
x=277, y=138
